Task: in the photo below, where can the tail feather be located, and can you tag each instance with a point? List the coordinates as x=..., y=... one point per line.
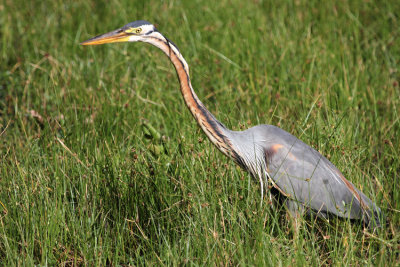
x=372, y=215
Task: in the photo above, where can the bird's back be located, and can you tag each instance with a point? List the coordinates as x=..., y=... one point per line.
x=302, y=173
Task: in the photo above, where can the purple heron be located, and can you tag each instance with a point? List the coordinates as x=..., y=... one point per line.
x=309, y=182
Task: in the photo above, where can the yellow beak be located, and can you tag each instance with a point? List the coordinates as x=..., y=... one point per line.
x=110, y=37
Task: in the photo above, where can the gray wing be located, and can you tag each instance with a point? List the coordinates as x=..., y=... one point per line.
x=304, y=175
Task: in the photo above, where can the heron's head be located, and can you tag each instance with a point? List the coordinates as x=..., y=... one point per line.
x=136, y=31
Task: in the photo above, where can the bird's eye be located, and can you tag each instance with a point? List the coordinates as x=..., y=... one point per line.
x=138, y=30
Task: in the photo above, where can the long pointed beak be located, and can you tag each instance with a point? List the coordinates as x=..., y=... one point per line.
x=110, y=37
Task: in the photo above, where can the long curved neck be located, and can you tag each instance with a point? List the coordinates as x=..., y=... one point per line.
x=215, y=130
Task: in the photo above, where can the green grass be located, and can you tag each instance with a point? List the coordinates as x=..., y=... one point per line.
x=82, y=182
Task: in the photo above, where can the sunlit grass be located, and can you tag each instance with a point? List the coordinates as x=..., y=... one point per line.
x=83, y=181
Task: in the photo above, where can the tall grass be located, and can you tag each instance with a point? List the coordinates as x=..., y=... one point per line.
x=84, y=181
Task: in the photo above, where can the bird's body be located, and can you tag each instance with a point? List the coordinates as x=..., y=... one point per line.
x=302, y=174
x=308, y=180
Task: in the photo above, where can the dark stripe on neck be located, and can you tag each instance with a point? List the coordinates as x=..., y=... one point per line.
x=210, y=119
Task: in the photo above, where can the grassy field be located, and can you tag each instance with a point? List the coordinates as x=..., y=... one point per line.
x=83, y=181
